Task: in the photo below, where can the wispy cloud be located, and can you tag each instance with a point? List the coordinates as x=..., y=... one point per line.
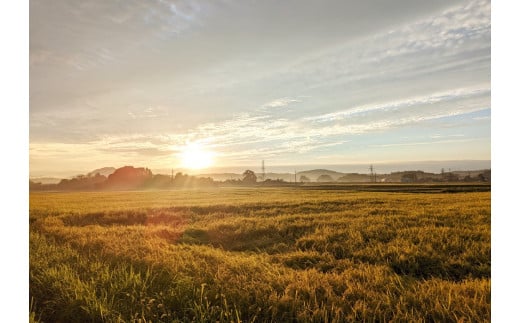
x=164, y=73
x=149, y=112
x=434, y=98
x=145, y=21
x=457, y=38
x=438, y=136
x=247, y=137
x=422, y=143
x=283, y=102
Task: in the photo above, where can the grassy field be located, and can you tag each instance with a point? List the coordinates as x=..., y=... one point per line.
x=260, y=255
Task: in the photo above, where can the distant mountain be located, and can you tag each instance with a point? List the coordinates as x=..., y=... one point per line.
x=105, y=171
x=315, y=173
x=288, y=177
x=354, y=177
x=321, y=175
x=45, y=180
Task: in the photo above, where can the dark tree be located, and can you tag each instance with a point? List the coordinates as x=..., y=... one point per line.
x=249, y=177
x=304, y=179
x=128, y=177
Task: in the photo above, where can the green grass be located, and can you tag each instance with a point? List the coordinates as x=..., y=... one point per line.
x=262, y=255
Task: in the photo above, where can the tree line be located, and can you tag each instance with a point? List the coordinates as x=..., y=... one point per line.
x=125, y=178
x=132, y=178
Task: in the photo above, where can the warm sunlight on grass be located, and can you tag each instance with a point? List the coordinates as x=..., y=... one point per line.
x=196, y=156
x=260, y=255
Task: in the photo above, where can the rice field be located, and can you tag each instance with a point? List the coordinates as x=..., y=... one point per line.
x=260, y=255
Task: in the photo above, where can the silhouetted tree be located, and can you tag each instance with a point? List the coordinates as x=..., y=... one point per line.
x=185, y=180
x=128, y=177
x=35, y=185
x=304, y=179
x=82, y=182
x=487, y=175
x=249, y=177
x=274, y=182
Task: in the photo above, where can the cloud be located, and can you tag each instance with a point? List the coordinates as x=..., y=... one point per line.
x=283, y=102
x=249, y=136
x=100, y=32
x=163, y=73
x=455, y=39
x=149, y=112
x=151, y=152
x=438, y=136
x=411, y=102
x=39, y=56
x=422, y=143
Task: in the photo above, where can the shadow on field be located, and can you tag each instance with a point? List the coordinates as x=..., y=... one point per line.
x=183, y=215
x=126, y=218
x=327, y=236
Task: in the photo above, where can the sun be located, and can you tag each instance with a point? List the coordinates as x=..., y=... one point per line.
x=195, y=156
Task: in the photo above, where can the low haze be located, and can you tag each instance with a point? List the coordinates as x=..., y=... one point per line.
x=213, y=84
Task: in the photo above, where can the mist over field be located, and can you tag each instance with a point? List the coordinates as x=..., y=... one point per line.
x=386, y=168
x=381, y=167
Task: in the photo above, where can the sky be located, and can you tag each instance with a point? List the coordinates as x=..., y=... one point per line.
x=114, y=83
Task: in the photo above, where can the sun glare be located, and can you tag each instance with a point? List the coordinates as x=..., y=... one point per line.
x=195, y=156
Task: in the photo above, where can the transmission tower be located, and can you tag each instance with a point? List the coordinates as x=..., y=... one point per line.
x=371, y=168
x=263, y=171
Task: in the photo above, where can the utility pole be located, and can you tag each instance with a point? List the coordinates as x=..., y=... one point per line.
x=295, y=177
x=371, y=168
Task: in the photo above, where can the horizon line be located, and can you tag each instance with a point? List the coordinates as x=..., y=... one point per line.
x=213, y=170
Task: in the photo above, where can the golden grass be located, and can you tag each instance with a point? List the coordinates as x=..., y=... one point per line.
x=260, y=255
